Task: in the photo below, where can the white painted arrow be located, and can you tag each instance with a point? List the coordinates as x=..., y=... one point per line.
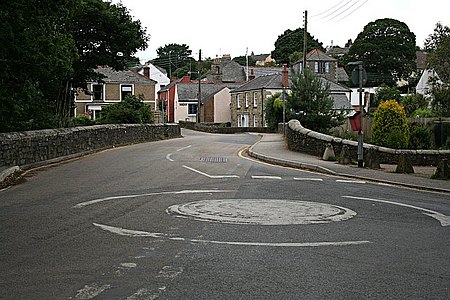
x=443, y=219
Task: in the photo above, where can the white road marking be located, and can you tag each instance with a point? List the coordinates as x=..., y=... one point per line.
x=266, y=177
x=168, y=157
x=91, y=291
x=144, y=294
x=443, y=219
x=210, y=176
x=87, y=203
x=136, y=233
x=308, y=179
x=350, y=181
x=184, y=148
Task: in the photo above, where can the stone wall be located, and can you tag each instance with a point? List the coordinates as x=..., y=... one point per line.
x=30, y=147
x=307, y=141
x=221, y=128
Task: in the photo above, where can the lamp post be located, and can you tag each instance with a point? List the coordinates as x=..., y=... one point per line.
x=359, y=77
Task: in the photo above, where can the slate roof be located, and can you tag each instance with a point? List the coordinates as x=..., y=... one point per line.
x=261, y=71
x=230, y=70
x=262, y=82
x=341, y=75
x=340, y=101
x=335, y=87
x=125, y=76
x=318, y=55
x=187, y=92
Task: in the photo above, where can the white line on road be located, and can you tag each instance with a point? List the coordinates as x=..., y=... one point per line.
x=83, y=204
x=443, y=219
x=136, y=233
x=265, y=177
x=184, y=148
x=307, y=179
x=350, y=181
x=210, y=176
x=168, y=157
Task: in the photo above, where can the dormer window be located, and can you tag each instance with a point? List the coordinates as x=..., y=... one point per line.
x=322, y=67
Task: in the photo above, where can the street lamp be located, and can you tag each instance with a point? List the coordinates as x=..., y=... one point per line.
x=358, y=77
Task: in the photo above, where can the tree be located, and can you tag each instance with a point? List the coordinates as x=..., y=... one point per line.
x=242, y=60
x=310, y=102
x=174, y=56
x=131, y=110
x=49, y=48
x=387, y=49
x=386, y=93
x=273, y=111
x=438, y=47
x=291, y=41
x=390, y=126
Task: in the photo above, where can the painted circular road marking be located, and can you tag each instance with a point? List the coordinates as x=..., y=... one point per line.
x=262, y=211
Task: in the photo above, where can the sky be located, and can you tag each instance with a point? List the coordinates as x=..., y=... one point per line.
x=233, y=26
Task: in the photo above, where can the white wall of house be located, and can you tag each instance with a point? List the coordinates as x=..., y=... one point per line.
x=158, y=76
x=222, y=101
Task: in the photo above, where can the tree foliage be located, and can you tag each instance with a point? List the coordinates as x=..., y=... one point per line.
x=174, y=56
x=387, y=49
x=386, y=93
x=438, y=47
x=310, y=102
x=273, y=111
x=242, y=60
x=132, y=110
x=390, y=125
x=291, y=41
x=50, y=48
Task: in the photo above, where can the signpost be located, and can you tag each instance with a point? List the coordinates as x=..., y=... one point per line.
x=359, y=77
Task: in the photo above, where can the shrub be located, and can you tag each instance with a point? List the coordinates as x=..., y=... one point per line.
x=422, y=113
x=82, y=120
x=411, y=103
x=274, y=111
x=131, y=110
x=390, y=126
x=385, y=93
x=420, y=137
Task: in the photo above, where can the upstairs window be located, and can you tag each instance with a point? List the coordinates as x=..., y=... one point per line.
x=255, y=99
x=97, y=92
x=322, y=67
x=125, y=90
x=238, y=100
x=246, y=100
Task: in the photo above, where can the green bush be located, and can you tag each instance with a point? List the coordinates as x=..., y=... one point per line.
x=412, y=103
x=274, y=111
x=420, y=137
x=131, y=110
x=82, y=120
x=385, y=93
x=390, y=126
x=422, y=113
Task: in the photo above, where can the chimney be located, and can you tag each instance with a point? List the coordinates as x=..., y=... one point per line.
x=252, y=74
x=285, y=78
x=147, y=72
x=186, y=79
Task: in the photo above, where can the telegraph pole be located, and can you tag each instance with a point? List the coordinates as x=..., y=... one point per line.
x=305, y=39
x=199, y=85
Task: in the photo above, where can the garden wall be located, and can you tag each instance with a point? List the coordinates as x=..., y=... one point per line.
x=304, y=140
x=30, y=147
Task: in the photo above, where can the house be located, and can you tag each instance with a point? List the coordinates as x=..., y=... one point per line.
x=322, y=65
x=225, y=70
x=157, y=74
x=112, y=89
x=262, y=59
x=248, y=100
x=424, y=85
x=181, y=101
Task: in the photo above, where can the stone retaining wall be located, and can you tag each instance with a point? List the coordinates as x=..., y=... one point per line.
x=30, y=147
x=222, y=129
x=304, y=140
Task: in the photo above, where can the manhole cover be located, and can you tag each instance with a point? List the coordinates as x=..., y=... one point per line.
x=262, y=211
x=214, y=159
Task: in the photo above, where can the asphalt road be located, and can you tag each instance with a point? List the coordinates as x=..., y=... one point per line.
x=191, y=218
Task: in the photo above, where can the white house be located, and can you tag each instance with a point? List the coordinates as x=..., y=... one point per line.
x=157, y=74
x=424, y=84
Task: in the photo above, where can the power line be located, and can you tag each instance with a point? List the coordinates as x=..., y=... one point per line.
x=342, y=12
x=352, y=11
x=337, y=9
x=319, y=14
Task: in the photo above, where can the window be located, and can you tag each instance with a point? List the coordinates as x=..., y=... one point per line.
x=97, y=92
x=192, y=108
x=255, y=99
x=239, y=121
x=255, y=121
x=238, y=100
x=246, y=100
x=125, y=90
x=322, y=67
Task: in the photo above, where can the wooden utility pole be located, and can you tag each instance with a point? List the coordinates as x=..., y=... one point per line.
x=305, y=38
x=199, y=85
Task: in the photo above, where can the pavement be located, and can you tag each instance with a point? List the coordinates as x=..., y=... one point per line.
x=272, y=148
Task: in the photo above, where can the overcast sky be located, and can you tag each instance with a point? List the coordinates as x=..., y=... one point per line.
x=232, y=26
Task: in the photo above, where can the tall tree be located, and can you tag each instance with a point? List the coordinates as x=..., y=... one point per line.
x=50, y=47
x=292, y=41
x=387, y=49
x=310, y=102
x=438, y=47
x=174, y=56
